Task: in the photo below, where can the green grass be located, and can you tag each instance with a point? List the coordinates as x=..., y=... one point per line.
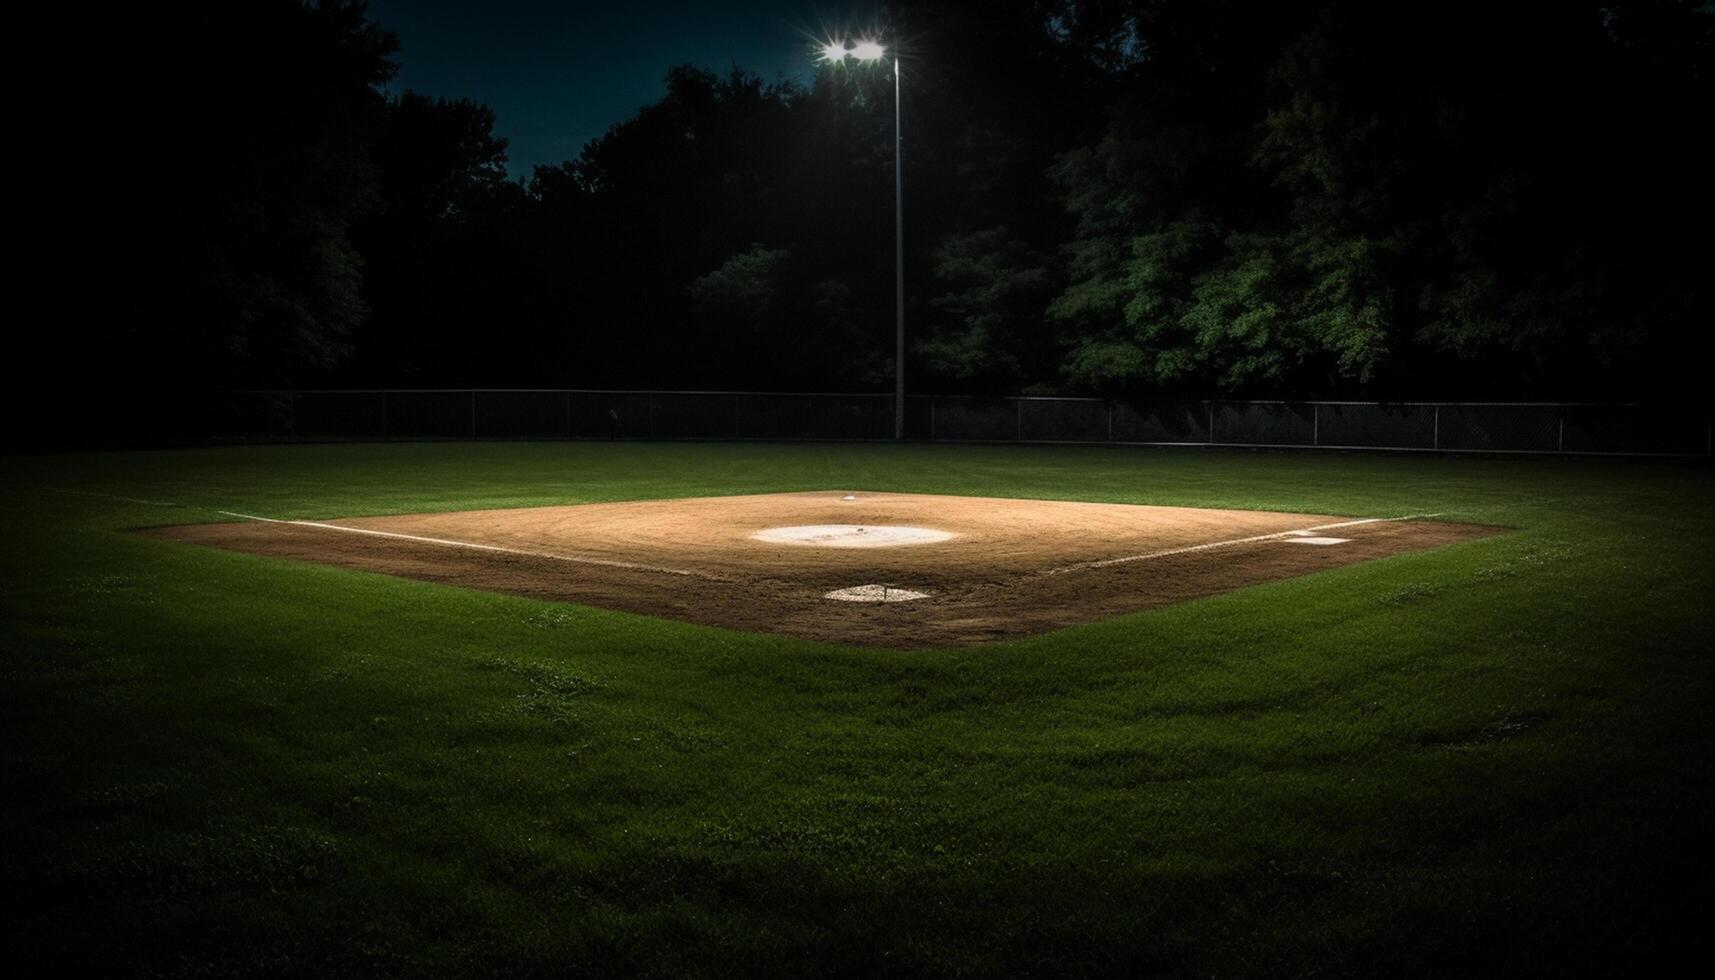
x=1490, y=758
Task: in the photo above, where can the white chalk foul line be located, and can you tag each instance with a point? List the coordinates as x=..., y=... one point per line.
x=448, y=542
x=1223, y=544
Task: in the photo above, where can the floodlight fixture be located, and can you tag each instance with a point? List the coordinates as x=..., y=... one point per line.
x=868, y=51
x=834, y=52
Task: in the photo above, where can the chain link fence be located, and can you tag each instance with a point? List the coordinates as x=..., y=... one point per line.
x=1423, y=426
x=157, y=417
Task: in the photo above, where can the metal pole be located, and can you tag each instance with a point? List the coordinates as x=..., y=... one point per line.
x=898, y=264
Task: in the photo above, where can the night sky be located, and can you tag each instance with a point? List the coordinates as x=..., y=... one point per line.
x=558, y=74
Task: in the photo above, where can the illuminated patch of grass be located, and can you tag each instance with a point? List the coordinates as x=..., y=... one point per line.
x=1481, y=759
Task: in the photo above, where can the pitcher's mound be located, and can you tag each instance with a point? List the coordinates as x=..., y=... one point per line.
x=851, y=535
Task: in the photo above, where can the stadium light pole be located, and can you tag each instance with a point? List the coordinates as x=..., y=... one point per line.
x=836, y=53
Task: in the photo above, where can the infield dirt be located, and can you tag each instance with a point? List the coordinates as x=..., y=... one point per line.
x=1012, y=567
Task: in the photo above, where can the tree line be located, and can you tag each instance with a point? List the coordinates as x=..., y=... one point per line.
x=1262, y=198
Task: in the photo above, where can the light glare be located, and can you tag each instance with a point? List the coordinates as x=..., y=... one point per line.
x=868, y=51
x=834, y=51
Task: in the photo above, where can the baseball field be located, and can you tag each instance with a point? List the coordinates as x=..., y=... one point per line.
x=575, y=709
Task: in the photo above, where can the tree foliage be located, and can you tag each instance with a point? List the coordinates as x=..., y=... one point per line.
x=1439, y=199
x=233, y=147
x=1256, y=197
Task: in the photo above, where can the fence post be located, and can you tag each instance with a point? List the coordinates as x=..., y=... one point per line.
x=383, y=414
x=1437, y=436
x=1110, y=420
x=1316, y=423
x=931, y=418
x=1560, y=440
x=1211, y=423
x=651, y=415
x=1018, y=407
x=473, y=413
x=568, y=413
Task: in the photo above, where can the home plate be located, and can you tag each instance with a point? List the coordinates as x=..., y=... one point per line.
x=851, y=535
x=1315, y=540
x=874, y=593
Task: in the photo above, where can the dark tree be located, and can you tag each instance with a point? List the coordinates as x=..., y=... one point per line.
x=1143, y=197
x=1444, y=199
x=238, y=136
x=430, y=276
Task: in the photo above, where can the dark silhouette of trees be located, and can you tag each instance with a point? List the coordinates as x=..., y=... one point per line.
x=1455, y=198
x=438, y=263
x=1255, y=197
x=233, y=145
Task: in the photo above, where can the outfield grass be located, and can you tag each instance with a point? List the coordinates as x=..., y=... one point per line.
x=1491, y=758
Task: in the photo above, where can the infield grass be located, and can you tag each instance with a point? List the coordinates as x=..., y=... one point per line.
x=1489, y=758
